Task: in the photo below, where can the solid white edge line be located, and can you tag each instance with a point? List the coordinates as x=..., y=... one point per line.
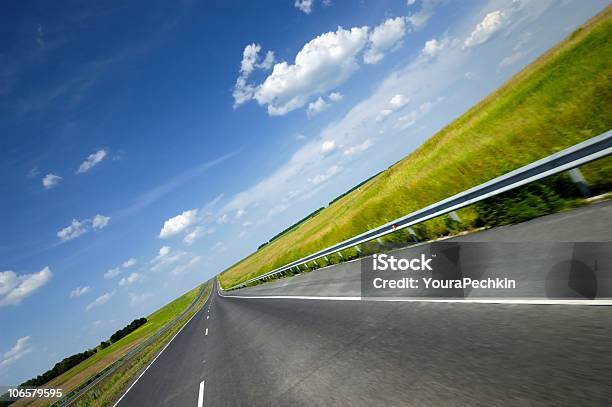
x=153, y=361
x=448, y=300
x=201, y=394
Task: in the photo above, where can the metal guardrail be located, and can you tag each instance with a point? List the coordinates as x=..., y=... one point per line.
x=75, y=395
x=590, y=150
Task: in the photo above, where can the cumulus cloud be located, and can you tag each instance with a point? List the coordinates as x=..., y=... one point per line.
x=72, y=231
x=328, y=146
x=100, y=222
x=92, y=160
x=512, y=59
x=398, y=101
x=321, y=178
x=178, y=223
x=433, y=47
x=129, y=263
x=21, y=348
x=112, y=273
x=304, y=6
x=165, y=257
x=79, y=227
x=51, y=180
x=485, y=29
x=101, y=300
x=243, y=92
x=321, y=65
x=385, y=37
x=316, y=107
x=336, y=97
x=131, y=279
x=14, y=288
x=183, y=267
x=194, y=235
x=77, y=292
x=359, y=148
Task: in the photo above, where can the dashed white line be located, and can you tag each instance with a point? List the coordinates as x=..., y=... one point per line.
x=201, y=394
x=207, y=316
x=206, y=333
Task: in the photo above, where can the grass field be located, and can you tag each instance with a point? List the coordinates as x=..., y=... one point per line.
x=560, y=99
x=104, y=357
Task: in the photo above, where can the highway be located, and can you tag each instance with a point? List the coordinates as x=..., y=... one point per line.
x=303, y=352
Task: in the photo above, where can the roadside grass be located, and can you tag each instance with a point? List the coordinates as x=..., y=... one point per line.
x=104, y=357
x=111, y=388
x=560, y=99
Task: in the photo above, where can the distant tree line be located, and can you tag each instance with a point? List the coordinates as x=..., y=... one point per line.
x=71, y=361
x=135, y=324
x=59, y=368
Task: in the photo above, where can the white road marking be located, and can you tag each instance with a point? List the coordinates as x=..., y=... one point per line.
x=206, y=333
x=448, y=300
x=153, y=361
x=201, y=394
x=207, y=316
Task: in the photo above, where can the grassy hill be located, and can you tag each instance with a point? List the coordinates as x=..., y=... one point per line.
x=560, y=99
x=106, y=356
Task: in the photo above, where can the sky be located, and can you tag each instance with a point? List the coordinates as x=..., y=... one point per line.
x=146, y=146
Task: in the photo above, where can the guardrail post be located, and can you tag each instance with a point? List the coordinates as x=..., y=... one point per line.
x=455, y=217
x=413, y=235
x=326, y=260
x=315, y=262
x=340, y=255
x=580, y=182
x=358, y=250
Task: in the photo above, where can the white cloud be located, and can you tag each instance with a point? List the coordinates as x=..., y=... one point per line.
x=385, y=37
x=359, y=148
x=129, y=263
x=321, y=65
x=486, y=28
x=137, y=299
x=14, y=288
x=433, y=47
x=21, y=348
x=243, y=92
x=163, y=251
x=178, y=223
x=183, y=267
x=410, y=2
x=382, y=115
x=398, y=101
x=166, y=256
x=77, y=292
x=321, y=178
x=100, y=222
x=240, y=213
x=74, y=230
x=512, y=59
x=112, y=273
x=223, y=219
x=131, y=279
x=194, y=235
x=471, y=75
x=316, y=107
x=304, y=5
x=92, y=160
x=51, y=180
x=336, y=97
x=101, y=300
x=328, y=146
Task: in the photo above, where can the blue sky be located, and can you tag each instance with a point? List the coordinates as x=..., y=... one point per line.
x=147, y=146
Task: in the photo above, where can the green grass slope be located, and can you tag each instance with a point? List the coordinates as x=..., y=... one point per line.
x=562, y=98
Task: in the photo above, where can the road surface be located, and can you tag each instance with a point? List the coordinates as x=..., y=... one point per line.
x=306, y=352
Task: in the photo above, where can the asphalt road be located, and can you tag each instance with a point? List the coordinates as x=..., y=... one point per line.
x=304, y=352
